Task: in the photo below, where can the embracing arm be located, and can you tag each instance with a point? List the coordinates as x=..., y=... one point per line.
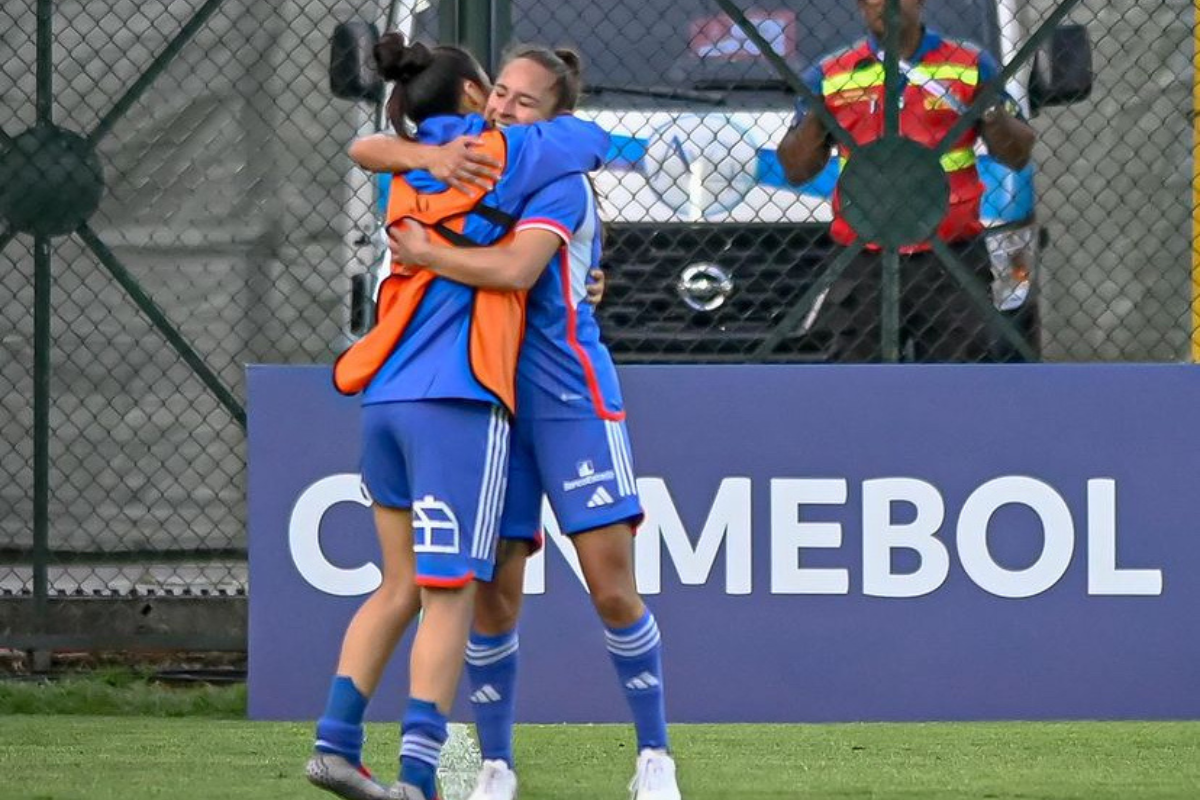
x=542, y=153
x=458, y=163
x=513, y=266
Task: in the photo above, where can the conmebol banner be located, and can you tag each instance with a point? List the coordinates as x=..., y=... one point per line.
x=821, y=543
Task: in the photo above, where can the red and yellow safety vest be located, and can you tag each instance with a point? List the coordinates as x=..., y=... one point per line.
x=497, y=317
x=852, y=83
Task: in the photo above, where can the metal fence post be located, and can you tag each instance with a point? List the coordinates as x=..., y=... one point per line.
x=41, y=435
x=481, y=26
x=501, y=29
x=44, y=102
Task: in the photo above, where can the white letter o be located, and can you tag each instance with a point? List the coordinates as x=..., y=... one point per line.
x=304, y=538
x=1057, y=527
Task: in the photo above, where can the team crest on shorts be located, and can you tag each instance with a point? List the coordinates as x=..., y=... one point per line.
x=435, y=528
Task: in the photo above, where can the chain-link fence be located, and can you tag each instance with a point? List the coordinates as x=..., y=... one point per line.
x=176, y=202
x=713, y=253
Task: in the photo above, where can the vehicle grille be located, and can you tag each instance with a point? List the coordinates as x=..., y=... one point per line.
x=644, y=319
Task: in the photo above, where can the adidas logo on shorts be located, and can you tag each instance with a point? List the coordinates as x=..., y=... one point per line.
x=600, y=497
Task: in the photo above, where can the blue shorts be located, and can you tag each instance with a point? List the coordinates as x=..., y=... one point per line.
x=447, y=460
x=585, y=468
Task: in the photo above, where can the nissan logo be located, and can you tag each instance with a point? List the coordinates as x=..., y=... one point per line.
x=704, y=287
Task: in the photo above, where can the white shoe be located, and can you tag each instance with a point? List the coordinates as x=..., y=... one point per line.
x=496, y=782
x=655, y=777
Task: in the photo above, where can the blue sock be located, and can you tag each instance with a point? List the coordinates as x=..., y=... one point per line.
x=492, y=672
x=340, y=728
x=637, y=654
x=422, y=735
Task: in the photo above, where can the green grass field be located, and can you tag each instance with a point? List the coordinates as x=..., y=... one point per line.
x=184, y=745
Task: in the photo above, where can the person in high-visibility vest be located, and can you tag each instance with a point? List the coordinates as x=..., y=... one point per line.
x=941, y=78
x=437, y=376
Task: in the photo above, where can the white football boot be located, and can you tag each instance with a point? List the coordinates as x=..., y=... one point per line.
x=496, y=782
x=655, y=777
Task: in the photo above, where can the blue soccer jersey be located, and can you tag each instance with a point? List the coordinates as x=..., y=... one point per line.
x=432, y=359
x=569, y=438
x=565, y=371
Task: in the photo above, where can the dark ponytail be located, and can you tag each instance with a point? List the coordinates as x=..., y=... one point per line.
x=564, y=64
x=428, y=82
x=398, y=61
x=571, y=59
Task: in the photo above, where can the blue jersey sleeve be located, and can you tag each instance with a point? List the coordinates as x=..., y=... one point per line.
x=541, y=153
x=812, y=78
x=559, y=208
x=989, y=68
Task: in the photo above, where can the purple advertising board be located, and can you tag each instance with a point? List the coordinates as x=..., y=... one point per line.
x=821, y=543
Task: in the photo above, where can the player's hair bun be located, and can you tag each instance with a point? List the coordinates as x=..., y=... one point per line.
x=571, y=59
x=399, y=61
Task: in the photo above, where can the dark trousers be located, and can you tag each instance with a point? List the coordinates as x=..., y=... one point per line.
x=939, y=322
